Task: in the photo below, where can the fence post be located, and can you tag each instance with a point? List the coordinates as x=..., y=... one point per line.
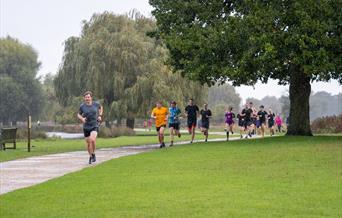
x=29, y=132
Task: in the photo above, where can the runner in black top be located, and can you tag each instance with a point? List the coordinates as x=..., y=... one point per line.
x=254, y=116
x=191, y=111
x=241, y=124
x=262, y=119
x=270, y=118
x=247, y=113
x=205, y=114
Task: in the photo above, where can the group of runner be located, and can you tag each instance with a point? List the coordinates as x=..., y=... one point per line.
x=171, y=117
x=249, y=120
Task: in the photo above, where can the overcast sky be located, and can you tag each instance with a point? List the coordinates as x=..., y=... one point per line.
x=45, y=25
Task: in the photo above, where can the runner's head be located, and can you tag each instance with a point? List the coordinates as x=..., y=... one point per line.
x=250, y=104
x=88, y=97
x=205, y=105
x=173, y=104
x=191, y=101
x=262, y=107
x=158, y=104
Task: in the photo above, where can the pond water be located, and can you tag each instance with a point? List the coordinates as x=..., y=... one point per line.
x=65, y=135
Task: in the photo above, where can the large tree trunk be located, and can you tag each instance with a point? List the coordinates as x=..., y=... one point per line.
x=130, y=123
x=300, y=90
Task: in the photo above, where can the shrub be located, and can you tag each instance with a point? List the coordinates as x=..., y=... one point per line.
x=35, y=134
x=105, y=132
x=328, y=124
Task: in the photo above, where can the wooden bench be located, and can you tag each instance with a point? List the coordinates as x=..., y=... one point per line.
x=8, y=135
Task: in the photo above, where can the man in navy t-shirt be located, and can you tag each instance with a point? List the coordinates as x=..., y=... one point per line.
x=191, y=112
x=90, y=114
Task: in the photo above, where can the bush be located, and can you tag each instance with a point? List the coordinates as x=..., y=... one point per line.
x=328, y=124
x=35, y=134
x=105, y=132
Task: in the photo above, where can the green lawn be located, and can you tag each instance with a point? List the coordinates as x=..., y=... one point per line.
x=54, y=145
x=271, y=177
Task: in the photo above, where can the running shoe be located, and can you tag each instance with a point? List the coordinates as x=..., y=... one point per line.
x=90, y=159
x=93, y=158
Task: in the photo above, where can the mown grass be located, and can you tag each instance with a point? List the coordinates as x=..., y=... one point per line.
x=271, y=177
x=56, y=145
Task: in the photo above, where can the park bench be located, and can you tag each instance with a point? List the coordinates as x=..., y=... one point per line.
x=8, y=135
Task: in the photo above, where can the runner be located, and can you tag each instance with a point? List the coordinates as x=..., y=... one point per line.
x=254, y=116
x=191, y=112
x=241, y=124
x=229, y=115
x=270, y=118
x=279, y=122
x=159, y=113
x=174, y=115
x=262, y=119
x=247, y=114
x=90, y=114
x=206, y=115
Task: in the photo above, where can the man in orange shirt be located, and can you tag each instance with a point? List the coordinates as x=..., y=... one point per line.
x=160, y=113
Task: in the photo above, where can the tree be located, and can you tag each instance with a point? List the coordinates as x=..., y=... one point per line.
x=220, y=98
x=124, y=67
x=20, y=90
x=295, y=42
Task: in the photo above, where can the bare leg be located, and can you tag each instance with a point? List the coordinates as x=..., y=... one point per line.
x=161, y=135
x=88, y=143
x=92, y=138
x=193, y=128
x=172, y=132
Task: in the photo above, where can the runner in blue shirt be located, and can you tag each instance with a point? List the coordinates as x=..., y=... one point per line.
x=173, y=120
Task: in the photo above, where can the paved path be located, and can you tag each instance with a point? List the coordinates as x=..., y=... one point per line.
x=30, y=171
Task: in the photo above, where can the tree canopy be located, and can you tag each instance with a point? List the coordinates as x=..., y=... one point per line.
x=295, y=42
x=20, y=90
x=124, y=67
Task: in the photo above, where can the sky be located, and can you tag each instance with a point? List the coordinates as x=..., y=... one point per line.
x=45, y=25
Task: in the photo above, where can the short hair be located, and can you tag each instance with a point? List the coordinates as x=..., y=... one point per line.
x=88, y=93
x=191, y=99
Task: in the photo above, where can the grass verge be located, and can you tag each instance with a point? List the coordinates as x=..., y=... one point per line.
x=271, y=177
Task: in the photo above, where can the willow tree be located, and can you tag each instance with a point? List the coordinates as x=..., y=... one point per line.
x=295, y=42
x=117, y=60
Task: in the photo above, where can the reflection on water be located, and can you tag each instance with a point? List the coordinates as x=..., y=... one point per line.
x=65, y=135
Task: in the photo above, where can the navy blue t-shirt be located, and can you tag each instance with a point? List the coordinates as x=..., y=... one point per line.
x=192, y=112
x=90, y=112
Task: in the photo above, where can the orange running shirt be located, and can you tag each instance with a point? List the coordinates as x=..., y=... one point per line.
x=160, y=114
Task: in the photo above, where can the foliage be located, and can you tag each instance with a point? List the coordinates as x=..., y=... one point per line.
x=20, y=90
x=115, y=132
x=22, y=133
x=274, y=177
x=124, y=68
x=325, y=104
x=327, y=124
x=52, y=107
x=245, y=41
